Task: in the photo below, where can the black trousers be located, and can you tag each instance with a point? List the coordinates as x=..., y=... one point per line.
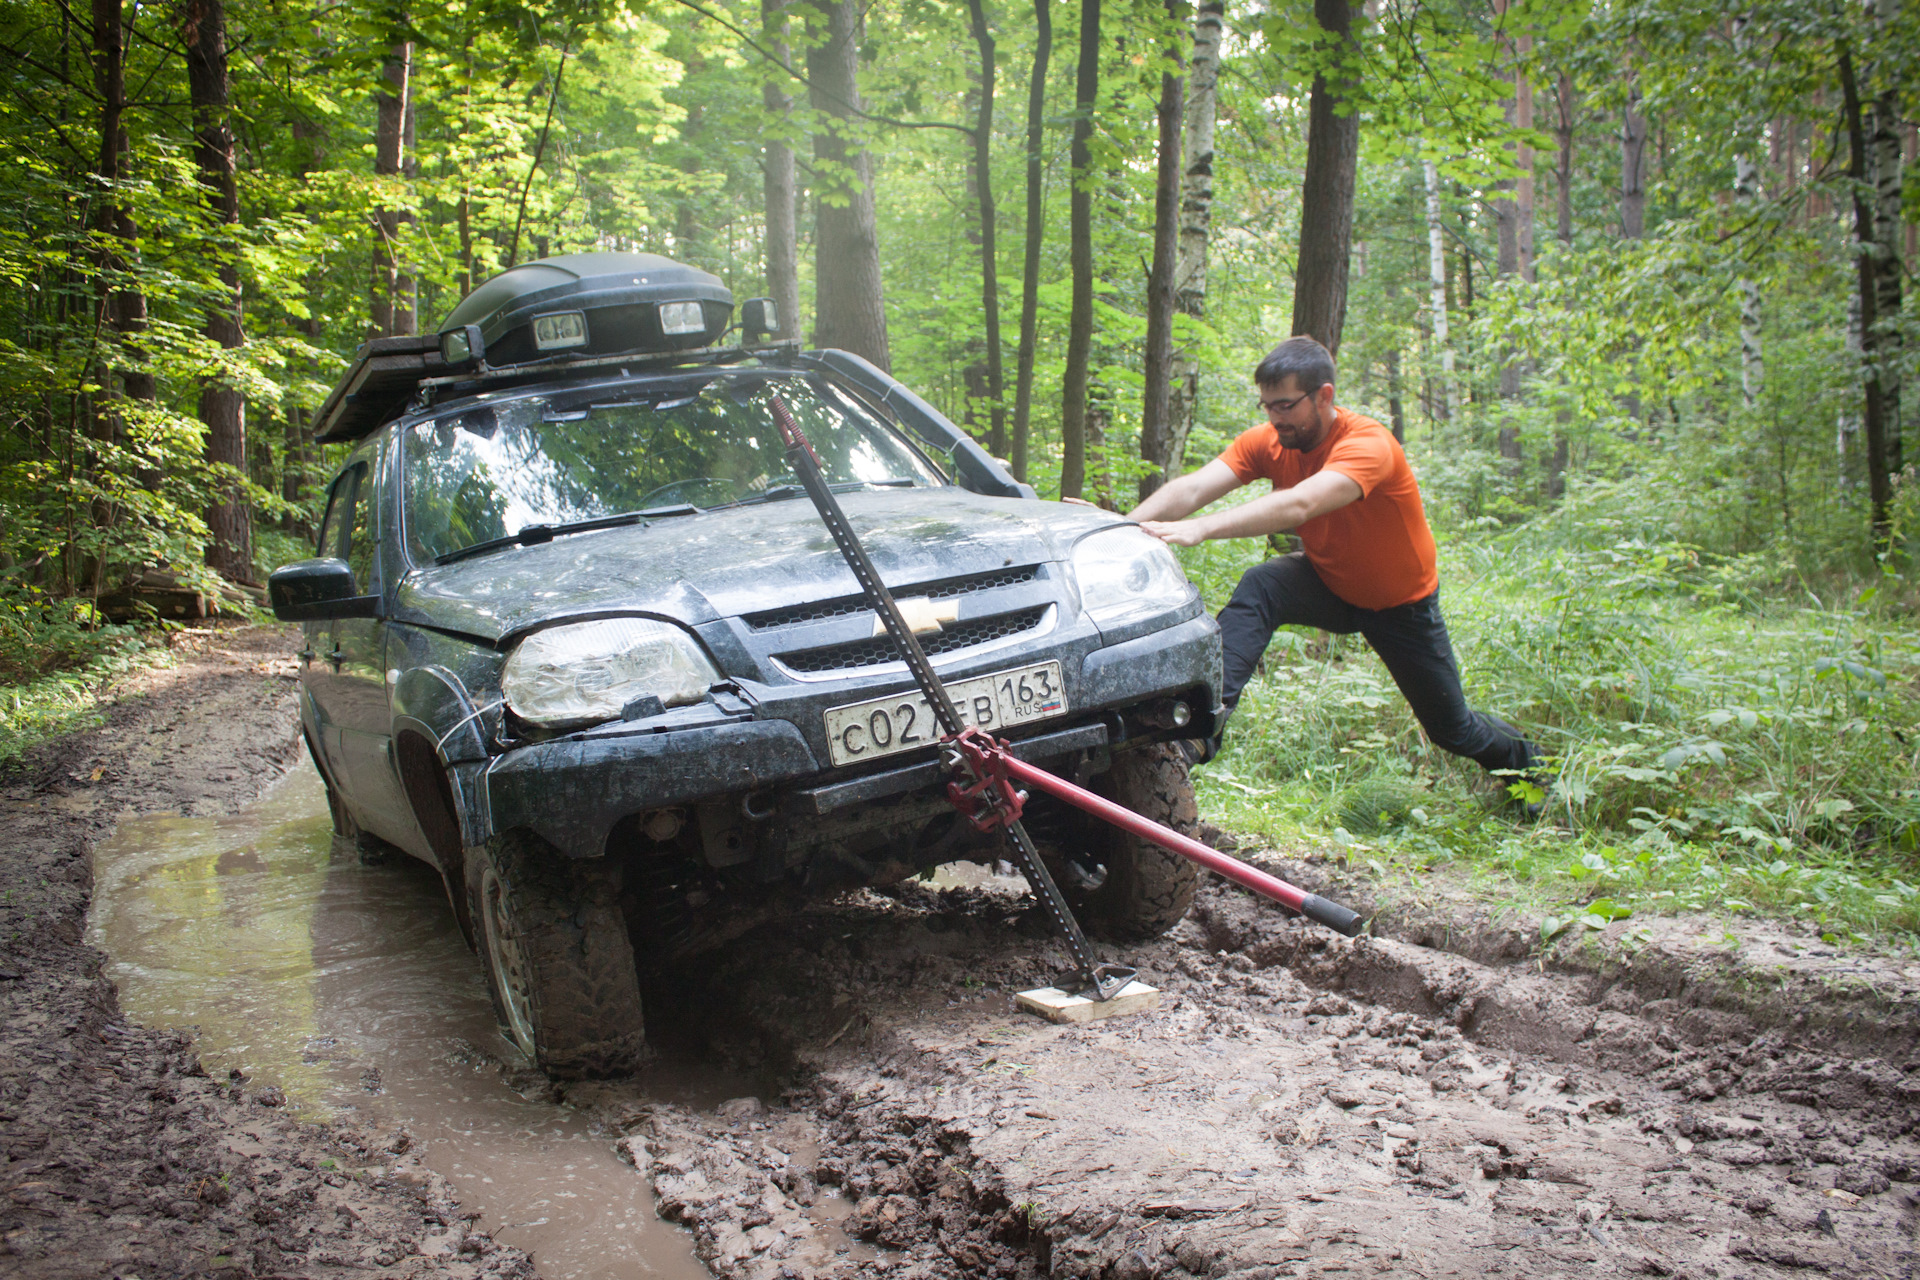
x=1410, y=638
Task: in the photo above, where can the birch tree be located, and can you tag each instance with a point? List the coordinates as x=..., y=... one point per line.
x=1196, y=220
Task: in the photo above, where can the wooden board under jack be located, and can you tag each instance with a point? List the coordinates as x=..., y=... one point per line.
x=1056, y=1005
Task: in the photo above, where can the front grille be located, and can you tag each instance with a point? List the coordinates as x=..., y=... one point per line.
x=871, y=653
x=793, y=615
x=845, y=606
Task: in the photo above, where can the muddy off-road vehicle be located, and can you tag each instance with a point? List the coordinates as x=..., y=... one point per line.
x=575, y=637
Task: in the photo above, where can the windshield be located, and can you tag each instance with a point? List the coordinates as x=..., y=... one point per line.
x=710, y=441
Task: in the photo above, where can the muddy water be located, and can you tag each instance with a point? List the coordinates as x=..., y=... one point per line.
x=350, y=988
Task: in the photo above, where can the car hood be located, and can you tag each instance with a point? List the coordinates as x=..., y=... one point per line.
x=696, y=569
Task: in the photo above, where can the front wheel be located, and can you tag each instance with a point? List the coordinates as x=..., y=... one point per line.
x=1128, y=889
x=558, y=961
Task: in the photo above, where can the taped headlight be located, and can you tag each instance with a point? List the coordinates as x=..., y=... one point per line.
x=1127, y=574
x=565, y=677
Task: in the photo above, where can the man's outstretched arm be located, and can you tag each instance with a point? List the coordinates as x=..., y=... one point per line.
x=1284, y=509
x=1177, y=499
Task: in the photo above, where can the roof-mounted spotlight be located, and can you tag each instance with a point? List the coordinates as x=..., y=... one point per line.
x=463, y=347
x=759, y=319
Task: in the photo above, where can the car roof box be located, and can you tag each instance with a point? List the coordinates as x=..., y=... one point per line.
x=536, y=316
x=594, y=304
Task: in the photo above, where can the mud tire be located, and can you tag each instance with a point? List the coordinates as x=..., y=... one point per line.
x=558, y=961
x=1147, y=890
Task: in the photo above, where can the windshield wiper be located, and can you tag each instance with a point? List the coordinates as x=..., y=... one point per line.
x=534, y=534
x=781, y=492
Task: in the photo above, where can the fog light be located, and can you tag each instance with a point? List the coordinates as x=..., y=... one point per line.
x=559, y=331
x=680, y=318
x=1167, y=713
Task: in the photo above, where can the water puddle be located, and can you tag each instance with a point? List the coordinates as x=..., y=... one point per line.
x=350, y=987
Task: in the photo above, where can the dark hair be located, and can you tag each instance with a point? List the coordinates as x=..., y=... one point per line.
x=1301, y=358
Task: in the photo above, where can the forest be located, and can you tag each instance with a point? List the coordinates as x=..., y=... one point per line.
x=1629, y=280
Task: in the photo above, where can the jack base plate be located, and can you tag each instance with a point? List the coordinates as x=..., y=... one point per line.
x=1056, y=1005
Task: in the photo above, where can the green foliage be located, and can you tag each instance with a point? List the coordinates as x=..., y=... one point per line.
x=52, y=666
x=1721, y=742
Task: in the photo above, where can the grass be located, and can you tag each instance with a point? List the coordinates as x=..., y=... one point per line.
x=1724, y=741
x=54, y=667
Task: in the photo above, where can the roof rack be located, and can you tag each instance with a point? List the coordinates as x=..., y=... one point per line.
x=552, y=317
x=391, y=376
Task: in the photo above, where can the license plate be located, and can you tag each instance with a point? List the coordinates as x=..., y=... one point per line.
x=887, y=726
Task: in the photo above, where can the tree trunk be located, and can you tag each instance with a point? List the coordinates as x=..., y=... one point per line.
x=1035, y=230
x=1396, y=413
x=1514, y=214
x=124, y=304
x=1196, y=220
x=1437, y=295
x=1879, y=478
x=120, y=302
x=1326, y=192
x=1847, y=429
x=1563, y=172
x=222, y=406
x=1156, y=410
x=1633, y=163
x=783, y=253
x=1885, y=173
x=1073, y=382
x=393, y=285
x=1523, y=156
x=689, y=227
x=1746, y=195
x=989, y=253
x=1913, y=228
x=849, y=303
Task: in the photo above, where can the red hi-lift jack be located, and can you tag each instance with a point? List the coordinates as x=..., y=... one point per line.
x=987, y=776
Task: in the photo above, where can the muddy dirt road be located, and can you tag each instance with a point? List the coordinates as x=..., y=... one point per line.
x=122, y=1155
x=1301, y=1105
x=1694, y=1098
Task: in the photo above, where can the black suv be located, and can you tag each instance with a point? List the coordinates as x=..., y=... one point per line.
x=576, y=637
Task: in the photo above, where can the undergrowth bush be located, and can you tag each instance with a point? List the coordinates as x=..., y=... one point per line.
x=1725, y=735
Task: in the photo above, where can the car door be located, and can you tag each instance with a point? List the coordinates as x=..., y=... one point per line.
x=322, y=654
x=360, y=711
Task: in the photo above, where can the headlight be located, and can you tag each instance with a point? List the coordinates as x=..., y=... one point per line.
x=1127, y=574
x=568, y=676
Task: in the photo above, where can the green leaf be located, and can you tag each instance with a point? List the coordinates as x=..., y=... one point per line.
x=1608, y=909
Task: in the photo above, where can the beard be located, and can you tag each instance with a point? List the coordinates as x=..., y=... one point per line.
x=1294, y=438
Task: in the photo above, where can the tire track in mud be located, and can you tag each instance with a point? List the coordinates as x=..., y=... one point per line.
x=1300, y=1105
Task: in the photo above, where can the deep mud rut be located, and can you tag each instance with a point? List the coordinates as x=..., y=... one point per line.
x=119, y=1155
x=1300, y=1105
x=1696, y=1099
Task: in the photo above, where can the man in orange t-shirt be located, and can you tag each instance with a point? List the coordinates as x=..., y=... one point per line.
x=1342, y=483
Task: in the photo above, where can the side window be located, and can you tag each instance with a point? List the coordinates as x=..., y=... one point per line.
x=333, y=528
x=359, y=528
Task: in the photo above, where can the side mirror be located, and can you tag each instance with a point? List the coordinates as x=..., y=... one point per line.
x=463, y=346
x=318, y=590
x=759, y=319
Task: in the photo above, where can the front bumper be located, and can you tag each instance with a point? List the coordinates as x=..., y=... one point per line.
x=771, y=744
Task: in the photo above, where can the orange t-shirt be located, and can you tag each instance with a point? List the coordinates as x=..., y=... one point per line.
x=1374, y=553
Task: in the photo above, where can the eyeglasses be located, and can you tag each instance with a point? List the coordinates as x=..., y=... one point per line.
x=1285, y=406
